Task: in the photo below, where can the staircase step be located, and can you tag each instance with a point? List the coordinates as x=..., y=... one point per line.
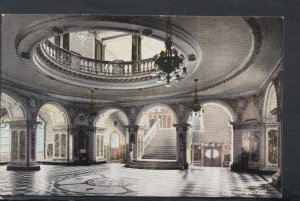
x=162, y=145
x=163, y=165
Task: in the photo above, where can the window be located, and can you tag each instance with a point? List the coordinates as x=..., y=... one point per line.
x=250, y=142
x=40, y=139
x=113, y=141
x=272, y=146
x=4, y=142
x=100, y=146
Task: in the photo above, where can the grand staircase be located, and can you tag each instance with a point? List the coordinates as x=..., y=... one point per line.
x=162, y=145
x=160, y=150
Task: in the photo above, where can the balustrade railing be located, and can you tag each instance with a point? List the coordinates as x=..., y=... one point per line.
x=75, y=61
x=151, y=132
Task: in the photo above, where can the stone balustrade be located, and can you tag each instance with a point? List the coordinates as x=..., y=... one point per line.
x=75, y=61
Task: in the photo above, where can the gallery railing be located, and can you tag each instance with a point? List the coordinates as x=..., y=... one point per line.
x=151, y=132
x=77, y=62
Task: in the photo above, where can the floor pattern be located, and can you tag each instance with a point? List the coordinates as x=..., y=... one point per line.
x=116, y=180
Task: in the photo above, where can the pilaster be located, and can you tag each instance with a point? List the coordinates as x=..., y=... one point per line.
x=181, y=134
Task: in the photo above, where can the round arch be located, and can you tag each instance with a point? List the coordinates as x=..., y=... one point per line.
x=105, y=110
x=53, y=140
x=227, y=108
x=22, y=110
x=224, y=144
x=269, y=94
x=110, y=138
x=60, y=108
x=148, y=107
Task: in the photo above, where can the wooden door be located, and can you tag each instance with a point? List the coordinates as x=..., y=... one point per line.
x=197, y=155
x=212, y=156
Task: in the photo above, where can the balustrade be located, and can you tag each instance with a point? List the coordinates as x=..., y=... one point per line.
x=151, y=132
x=75, y=61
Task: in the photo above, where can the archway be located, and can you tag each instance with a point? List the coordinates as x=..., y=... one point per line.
x=111, y=135
x=156, y=137
x=52, y=137
x=210, y=136
x=12, y=141
x=271, y=126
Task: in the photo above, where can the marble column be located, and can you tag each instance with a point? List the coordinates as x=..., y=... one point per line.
x=23, y=139
x=181, y=134
x=132, y=129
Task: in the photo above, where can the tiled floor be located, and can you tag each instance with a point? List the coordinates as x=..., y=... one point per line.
x=116, y=180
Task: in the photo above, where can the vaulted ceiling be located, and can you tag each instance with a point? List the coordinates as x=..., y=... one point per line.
x=238, y=56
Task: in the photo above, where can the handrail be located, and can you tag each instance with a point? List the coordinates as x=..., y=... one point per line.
x=75, y=61
x=151, y=132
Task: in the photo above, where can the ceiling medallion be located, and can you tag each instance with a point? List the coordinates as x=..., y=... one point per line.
x=169, y=63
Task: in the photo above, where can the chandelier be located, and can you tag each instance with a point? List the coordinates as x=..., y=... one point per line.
x=169, y=64
x=196, y=106
x=93, y=111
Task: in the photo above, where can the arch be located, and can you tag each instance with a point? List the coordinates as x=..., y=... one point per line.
x=227, y=108
x=59, y=107
x=148, y=107
x=113, y=109
x=106, y=126
x=217, y=131
x=269, y=94
x=15, y=107
x=55, y=133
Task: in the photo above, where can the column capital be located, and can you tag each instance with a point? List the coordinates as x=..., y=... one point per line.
x=184, y=126
x=133, y=128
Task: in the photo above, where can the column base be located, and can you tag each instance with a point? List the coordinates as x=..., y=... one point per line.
x=276, y=178
x=23, y=167
x=185, y=166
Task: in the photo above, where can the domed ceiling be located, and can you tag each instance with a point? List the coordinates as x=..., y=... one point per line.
x=234, y=56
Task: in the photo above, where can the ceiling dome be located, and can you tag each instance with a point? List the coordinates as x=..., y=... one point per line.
x=224, y=53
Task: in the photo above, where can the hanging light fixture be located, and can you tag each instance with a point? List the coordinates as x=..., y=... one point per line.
x=93, y=111
x=196, y=106
x=169, y=63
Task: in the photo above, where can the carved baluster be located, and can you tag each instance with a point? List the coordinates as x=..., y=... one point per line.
x=142, y=67
x=146, y=67
x=81, y=63
x=111, y=69
x=106, y=69
x=96, y=68
x=130, y=69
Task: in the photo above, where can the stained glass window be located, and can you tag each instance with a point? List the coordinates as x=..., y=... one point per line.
x=14, y=145
x=250, y=142
x=63, y=145
x=56, y=146
x=272, y=146
x=22, y=149
x=98, y=145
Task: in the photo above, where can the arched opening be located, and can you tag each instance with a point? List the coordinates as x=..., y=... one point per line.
x=12, y=141
x=209, y=138
x=111, y=135
x=271, y=126
x=156, y=137
x=52, y=137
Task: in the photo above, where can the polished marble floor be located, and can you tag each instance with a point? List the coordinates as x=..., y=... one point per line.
x=116, y=180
